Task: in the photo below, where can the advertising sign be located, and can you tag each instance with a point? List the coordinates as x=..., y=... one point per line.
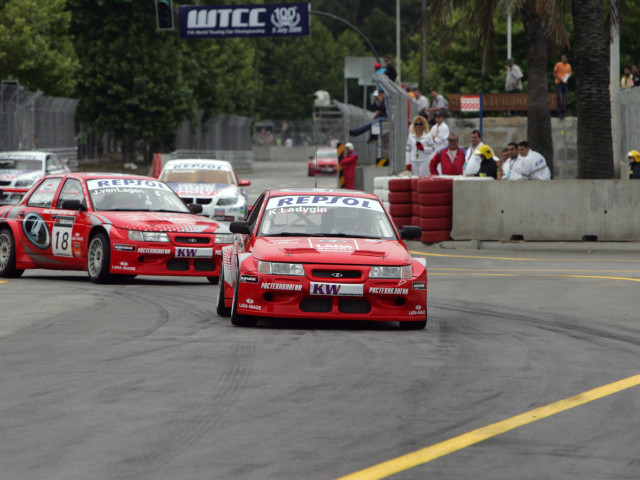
x=270, y=20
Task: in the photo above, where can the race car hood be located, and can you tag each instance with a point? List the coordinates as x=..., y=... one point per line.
x=355, y=251
x=14, y=175
x=203, y=189
x=162, y=222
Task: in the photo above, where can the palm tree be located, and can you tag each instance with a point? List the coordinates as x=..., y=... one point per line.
x=544, y=25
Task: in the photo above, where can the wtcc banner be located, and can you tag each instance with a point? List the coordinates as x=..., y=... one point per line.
x=271, y=20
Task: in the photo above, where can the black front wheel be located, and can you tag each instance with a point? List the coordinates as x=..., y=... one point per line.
x=419, y=325
x=220, y=308
x=98, y=259
x=8, y=255
x=237, y=319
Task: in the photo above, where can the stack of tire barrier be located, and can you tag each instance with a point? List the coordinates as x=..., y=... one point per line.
x=400, y=201
x=423, y=201
x=381, y=189
x=435, y=200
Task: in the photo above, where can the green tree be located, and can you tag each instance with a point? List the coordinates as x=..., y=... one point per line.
x=35, y=45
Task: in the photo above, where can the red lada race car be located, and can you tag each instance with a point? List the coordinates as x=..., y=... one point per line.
x=322, y=254
x=108, y=225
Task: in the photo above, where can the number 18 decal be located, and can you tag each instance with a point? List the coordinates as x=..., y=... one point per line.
x=61, y=236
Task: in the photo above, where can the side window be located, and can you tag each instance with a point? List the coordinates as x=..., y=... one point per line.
x=54, y=165
x=71, y=190
x=252, y=216
x=43, y=195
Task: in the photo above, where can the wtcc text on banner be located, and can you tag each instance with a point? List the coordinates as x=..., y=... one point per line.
x=271, y=20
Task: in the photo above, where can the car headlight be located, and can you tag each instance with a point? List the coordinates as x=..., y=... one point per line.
x=27, y=182
x=390, y=272
x=276, y=268
x=227, y=201
x=139, y=236
x=224, y=238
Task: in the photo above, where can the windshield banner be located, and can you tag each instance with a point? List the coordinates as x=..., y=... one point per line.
x=270, y=20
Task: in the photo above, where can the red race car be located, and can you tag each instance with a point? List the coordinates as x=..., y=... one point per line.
x=320, y=254
x=324, y=161
x=109, y=225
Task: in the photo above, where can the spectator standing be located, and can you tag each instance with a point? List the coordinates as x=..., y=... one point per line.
x=508, y=160
x=390, y=70
x=513, y=83
x=635, y=74
x=440, y=131
x=634, y=164
x=379, y=117
x=420, y=147
x=422, y=101
x=562, y=72
x=471, y=161
x=348, y=163
x=449, y=160
x=529, y=165
x=438, y=104
x=488, y=162
x=627, y=79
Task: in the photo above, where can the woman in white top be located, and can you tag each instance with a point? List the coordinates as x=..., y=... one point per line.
x=420, y=147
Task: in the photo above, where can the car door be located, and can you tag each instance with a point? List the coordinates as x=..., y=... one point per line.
x=70, y=226
x=37, y=221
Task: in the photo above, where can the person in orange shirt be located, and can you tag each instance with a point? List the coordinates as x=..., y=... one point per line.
x=562, y=72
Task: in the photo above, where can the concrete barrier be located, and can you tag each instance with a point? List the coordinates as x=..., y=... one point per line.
x=556, y=210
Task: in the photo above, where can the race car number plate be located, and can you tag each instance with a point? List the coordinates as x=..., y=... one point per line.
x=336, y=289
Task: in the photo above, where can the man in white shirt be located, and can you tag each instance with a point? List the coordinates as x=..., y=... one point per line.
x=422, y=101
x=440, y=132
x=529, y=165
x=513, y=83
x=472, y=161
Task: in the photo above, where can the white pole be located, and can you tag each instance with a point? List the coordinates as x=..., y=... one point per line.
x=398, y=64
x=614, y=83
x=509, y=34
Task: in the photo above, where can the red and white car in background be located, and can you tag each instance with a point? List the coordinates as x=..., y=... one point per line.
x=322, y=254
x=109, y=225
x=325, y=161
x=210, y=183
x=20, y=170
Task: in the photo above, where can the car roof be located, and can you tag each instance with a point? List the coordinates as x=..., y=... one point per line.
x=95, y=175
x=207, y=161
x=28, y=154
x=276, y=192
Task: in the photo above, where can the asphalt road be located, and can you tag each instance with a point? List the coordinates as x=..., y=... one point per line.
x=144, y=381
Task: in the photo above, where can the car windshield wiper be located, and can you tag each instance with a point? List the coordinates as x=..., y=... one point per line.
x=166, y=210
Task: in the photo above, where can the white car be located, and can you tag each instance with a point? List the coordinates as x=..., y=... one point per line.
x=210, y=183
x=20, y=170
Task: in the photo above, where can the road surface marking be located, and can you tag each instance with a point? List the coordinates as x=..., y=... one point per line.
x=425, y=455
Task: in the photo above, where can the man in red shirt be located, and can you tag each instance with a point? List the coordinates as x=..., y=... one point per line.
x=348, y=163
x=450, y=159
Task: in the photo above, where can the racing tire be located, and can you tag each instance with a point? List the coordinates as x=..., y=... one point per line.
x=401, y=209
x=98, y=259
x=220, y=308
x=237, y=319
x=399, y=197
x=434, y=199
x=435, y=185
x=8, y=255
x=435, y=236
x=213, y=280
x=400, y=185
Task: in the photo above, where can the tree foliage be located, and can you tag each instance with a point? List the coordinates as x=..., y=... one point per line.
x=35, y=46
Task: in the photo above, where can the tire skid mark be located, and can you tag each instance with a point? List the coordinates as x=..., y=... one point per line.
x=212, y=411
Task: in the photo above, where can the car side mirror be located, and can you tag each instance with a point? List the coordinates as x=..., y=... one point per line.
x=244, y=182
x=195, y=208
x=410, y=232
x=73, y=204
x=240, y=227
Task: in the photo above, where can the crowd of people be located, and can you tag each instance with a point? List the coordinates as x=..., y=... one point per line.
x=435, y=151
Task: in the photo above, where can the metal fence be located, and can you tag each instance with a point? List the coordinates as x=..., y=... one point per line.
x=30, y=120
x=629, y=125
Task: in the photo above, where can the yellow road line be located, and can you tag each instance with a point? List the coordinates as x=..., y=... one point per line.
x=419, y=457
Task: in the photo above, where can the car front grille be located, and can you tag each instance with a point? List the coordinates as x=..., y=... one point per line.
x=193, y=240
x=353, y=305
x=336, y=273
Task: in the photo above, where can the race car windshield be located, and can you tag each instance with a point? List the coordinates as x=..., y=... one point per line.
x=327, y=154
x=365, y=219
x=134, y=195
x=197, y=176
x=20, y=164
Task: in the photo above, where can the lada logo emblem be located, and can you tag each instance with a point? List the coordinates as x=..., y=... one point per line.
x=35, y=228
x=192, y=240
x=337, y=275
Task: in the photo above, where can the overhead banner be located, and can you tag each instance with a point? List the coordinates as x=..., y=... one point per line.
x=271, y=20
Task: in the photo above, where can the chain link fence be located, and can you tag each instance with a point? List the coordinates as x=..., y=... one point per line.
x=32, y=121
